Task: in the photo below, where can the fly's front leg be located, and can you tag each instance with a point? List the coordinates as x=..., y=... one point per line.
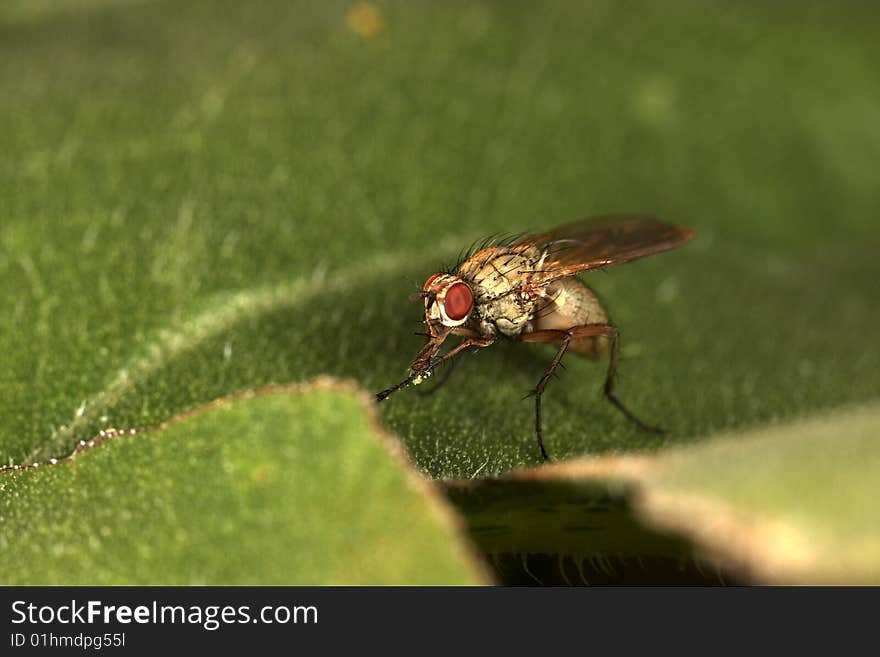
x=427, y=392
x=464, y=344
x=416, y=376
x=565, y=337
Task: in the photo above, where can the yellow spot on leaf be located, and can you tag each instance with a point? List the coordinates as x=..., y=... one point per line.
x=262, y=474
x=364, y=19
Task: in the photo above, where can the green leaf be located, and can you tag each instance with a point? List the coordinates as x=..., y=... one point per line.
x=247, y=194
x=791, y=503
x=290, y=486
x=788, y=504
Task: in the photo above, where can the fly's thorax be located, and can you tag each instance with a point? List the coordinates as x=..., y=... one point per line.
x=499, y=278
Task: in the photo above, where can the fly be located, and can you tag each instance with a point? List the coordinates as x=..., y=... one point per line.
x=527, y=289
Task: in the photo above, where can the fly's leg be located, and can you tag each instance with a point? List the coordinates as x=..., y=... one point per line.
x=461, y=346
x=539, y=390
x=565, y=337
x=427, y=392
x=609, y=384
x=434, y=362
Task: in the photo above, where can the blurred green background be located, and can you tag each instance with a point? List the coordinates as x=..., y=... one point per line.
x=205, y=197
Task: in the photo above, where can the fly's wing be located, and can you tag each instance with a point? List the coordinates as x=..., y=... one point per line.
x=594, y=243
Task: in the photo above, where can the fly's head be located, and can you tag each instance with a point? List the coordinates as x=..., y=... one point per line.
x=448, y=304
x=448, y=301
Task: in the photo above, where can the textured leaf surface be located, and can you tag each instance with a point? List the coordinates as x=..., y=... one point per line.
x=288, y=487
x=248, y=194
x=207, y=197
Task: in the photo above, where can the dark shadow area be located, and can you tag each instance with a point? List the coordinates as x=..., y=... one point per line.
x=562, y=570
x=574, y=534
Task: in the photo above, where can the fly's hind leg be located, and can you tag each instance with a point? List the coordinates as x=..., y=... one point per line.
x=564, y=337
x=609, y=383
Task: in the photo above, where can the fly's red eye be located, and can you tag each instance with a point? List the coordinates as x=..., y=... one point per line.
x=458, y=301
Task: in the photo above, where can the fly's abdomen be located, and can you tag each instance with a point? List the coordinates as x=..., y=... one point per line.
x=571, y=303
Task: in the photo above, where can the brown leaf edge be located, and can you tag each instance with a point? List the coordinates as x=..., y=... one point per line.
x=425, y=488
x=753, y=550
